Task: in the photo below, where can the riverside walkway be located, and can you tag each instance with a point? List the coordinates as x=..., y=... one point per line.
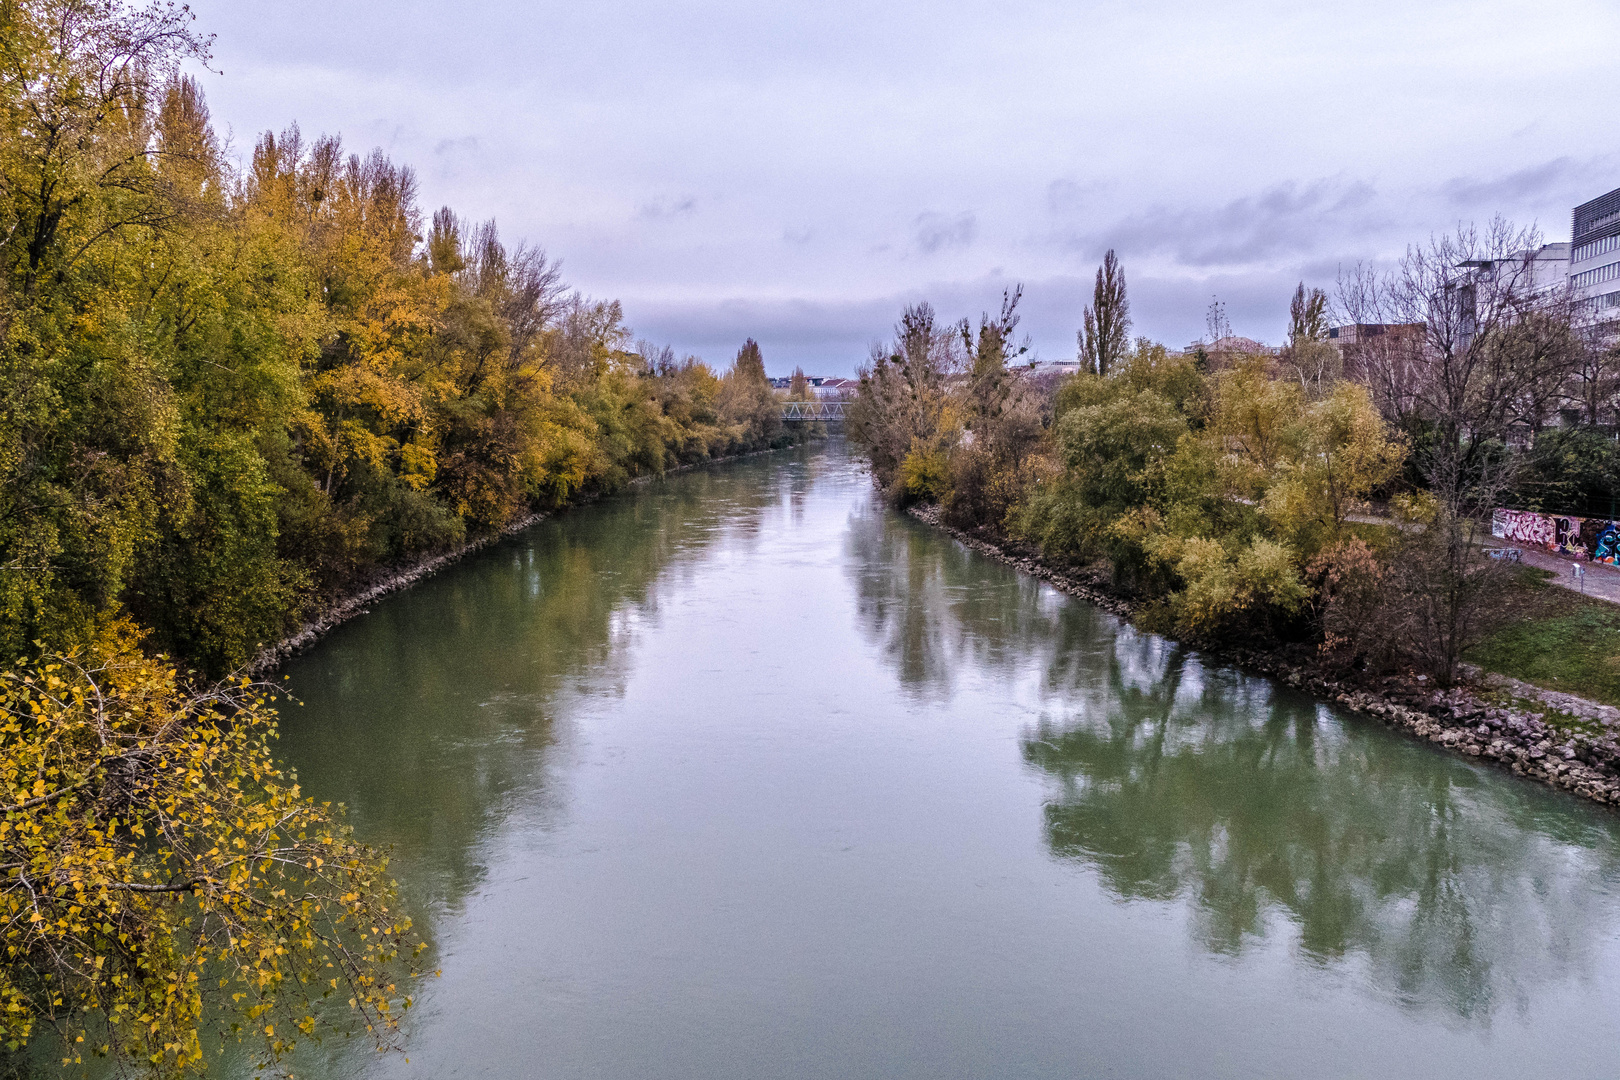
x=1600, y=581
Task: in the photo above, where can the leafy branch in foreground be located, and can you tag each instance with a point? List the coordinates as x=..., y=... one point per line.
x=157, y=869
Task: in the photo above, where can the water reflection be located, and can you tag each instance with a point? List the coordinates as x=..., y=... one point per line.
x=934, y=609
x=1441, y=885
x=743, y=775
x=446, y=709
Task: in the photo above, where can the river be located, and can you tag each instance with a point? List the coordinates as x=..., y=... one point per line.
x=743, y=775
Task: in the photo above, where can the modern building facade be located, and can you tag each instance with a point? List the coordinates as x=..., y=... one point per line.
x=1594, y=263
x=1588, y=265
x=1549, y=267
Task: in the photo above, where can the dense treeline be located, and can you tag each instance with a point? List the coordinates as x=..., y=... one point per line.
x=1211, y=492
x=228, y=394
x=1221, y=486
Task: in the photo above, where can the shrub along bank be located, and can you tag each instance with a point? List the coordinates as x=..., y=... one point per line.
x=1217, y=504
x=1548, y=737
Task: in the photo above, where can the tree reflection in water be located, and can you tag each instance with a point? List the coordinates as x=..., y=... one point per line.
x=1442, y=884
x=455, y=689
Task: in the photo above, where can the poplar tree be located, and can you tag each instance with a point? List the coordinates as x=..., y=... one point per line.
x=1307, y=316
x=1315, y=363
x=1107, y=320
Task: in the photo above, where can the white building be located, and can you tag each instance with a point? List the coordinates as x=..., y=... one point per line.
x=1589, y=265
x=1050, y=367
x=1594, y=265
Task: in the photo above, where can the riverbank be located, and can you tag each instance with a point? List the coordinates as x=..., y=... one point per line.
x=1557, y=739
x=355, y=603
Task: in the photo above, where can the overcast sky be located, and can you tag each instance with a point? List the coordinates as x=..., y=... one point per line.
x=797, y=172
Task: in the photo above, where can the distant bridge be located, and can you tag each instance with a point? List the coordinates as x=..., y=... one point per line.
x=794, y=411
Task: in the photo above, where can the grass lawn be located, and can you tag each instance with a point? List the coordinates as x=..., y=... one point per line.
x=1564, y=641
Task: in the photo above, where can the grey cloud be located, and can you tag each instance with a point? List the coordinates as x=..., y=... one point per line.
x=1510, y=189
x=1210, y=177
x=1286, y=219
x=935, y=231
x=456, y=147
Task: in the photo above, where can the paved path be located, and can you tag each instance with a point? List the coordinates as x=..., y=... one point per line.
x=1602, y=581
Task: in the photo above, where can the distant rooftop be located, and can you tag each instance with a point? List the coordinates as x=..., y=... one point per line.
x=1232, y=343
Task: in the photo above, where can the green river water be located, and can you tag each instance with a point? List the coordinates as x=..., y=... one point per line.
x=743, y=775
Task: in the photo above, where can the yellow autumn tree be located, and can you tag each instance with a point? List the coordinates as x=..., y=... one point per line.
x=161, y=869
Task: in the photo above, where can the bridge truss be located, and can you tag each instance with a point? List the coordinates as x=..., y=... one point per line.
x=812, y=410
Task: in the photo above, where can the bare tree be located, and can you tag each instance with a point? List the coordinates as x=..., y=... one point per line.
x=1107, y=322
x=1216, y=324
x=903, y=390
x=1461, y=343
x=1595, y=376
x=1545, y=351
x=1446, y=597
x=1387, y=359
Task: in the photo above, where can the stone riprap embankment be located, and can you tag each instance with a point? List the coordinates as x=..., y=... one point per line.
x=389, y=581
x=1559, y=739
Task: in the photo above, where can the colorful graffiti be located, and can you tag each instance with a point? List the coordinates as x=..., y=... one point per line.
x=1523, y=527
x=1577, y=538
x=1602, y=538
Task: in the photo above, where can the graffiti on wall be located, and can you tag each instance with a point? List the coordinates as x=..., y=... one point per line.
x=1601, y=538
x=1523, y=527
x=1597, y=539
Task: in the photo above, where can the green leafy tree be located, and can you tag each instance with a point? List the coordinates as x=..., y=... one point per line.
x=88, y=424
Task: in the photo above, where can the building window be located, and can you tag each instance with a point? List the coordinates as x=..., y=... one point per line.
x=1596, y=248
x=1597, y=276
x=1605, y=302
